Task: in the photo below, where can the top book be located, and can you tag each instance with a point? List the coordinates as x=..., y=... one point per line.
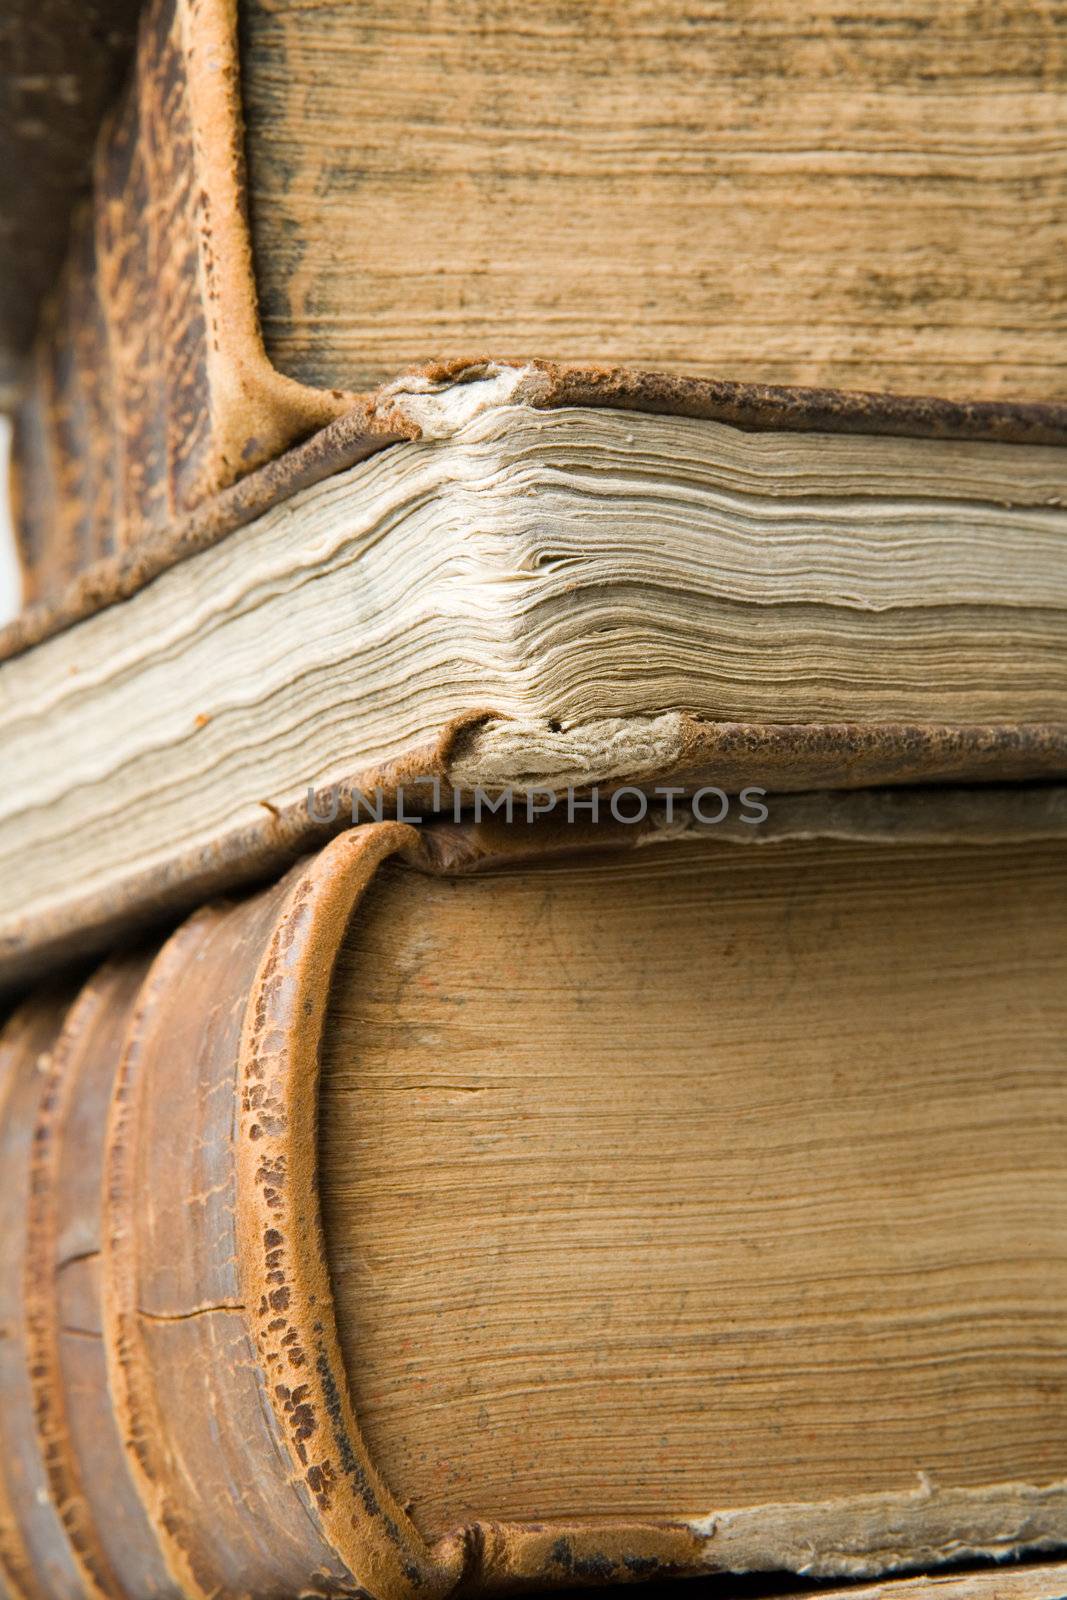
x=295, y=201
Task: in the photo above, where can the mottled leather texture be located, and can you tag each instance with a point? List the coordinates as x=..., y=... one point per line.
x=61, y=64
x=149, y=388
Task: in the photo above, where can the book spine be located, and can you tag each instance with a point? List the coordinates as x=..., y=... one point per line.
x=145, y=1447
x=36, y=1559
x=150, y=390
x=77, y=1431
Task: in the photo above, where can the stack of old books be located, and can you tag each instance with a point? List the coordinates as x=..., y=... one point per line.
x=533, y=887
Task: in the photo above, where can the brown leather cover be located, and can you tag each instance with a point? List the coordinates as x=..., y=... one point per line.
x=36, y=1560
x=150, y=389
x=61, y=62
x=77, y=1432
x=223, y=1457
x=156, y=425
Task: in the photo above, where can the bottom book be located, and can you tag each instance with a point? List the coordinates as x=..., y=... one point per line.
x=486, y=1207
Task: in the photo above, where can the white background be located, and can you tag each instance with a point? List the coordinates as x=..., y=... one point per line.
x=9, y=578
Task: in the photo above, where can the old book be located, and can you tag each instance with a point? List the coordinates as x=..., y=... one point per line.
x=482, y=1207
x=525, y=586
x=786, y=194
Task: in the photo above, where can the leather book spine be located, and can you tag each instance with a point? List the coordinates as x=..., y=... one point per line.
x=149, y=389
x=77, y=1431
x=36, y=1559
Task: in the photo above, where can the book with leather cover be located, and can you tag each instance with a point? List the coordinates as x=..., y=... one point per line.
x=484, y=1207
x=296, y=201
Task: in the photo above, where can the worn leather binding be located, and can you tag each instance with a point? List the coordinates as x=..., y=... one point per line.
x=174, y=1407
x=150, y=389
x=78, y=1436
x=62, y=65
x=36, y=1559
x=231, y=1429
